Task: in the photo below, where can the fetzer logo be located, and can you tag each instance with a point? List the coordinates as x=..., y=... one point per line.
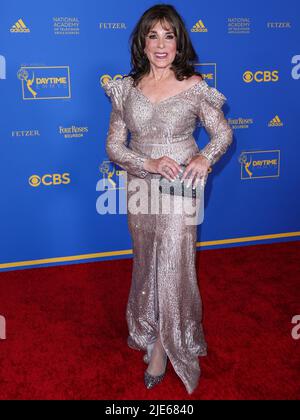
x=19, y=26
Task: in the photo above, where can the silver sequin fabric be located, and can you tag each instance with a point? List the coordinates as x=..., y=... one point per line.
x=164, y=297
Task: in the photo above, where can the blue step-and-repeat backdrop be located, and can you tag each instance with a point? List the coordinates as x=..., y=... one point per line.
x=54, y=59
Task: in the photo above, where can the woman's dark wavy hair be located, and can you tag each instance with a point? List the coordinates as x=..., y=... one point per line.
x=183, y=64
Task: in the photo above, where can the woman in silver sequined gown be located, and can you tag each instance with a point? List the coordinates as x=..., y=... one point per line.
x=164, y=299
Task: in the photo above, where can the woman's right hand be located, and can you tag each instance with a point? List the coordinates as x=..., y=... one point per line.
x=165, y=166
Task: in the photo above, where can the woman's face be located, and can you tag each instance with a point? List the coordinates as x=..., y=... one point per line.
x=160, y=45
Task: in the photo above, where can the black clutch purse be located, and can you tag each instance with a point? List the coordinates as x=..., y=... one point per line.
x=180, y=188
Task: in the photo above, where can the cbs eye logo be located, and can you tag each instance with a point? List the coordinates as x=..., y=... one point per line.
x=49, y=179
x=260, y=76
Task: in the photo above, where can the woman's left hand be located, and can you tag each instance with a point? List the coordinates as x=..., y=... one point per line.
x=197, y=167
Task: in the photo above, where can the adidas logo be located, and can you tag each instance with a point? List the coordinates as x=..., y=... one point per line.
x=275, y=122
x=19, y=26
x=199, y=27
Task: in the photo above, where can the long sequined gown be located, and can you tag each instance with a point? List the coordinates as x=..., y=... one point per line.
x=164, y=295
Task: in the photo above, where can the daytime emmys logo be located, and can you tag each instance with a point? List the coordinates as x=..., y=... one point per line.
x=2, y=328
x=142, y=201
x=296, y=330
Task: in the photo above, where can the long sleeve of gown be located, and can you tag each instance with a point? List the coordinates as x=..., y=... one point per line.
x=217, y=127
x=116, y=148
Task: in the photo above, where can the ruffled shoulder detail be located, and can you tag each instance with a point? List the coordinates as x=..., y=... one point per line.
x=110, y=85
x=115, y=89
x=212, y=95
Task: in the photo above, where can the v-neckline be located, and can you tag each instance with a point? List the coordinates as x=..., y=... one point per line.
x=169, y=97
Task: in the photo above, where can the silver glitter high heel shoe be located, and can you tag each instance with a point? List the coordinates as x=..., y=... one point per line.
x=147, y=356
x=151, y=380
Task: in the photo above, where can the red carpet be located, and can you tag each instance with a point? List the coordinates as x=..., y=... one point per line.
x=66, y=330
